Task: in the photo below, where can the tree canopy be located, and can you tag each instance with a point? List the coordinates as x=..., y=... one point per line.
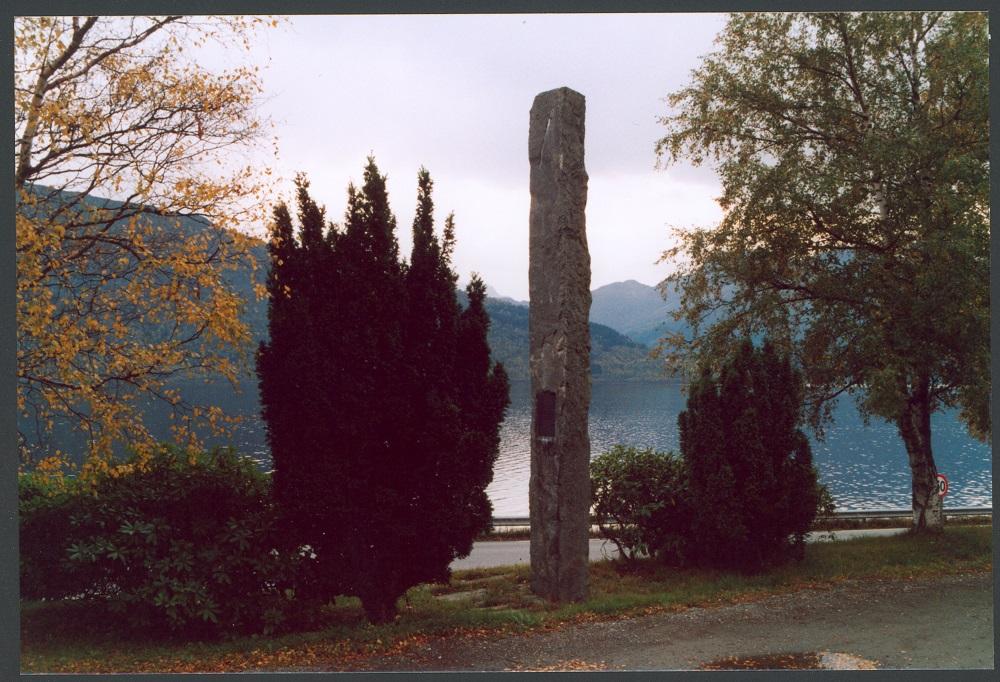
x=115, y=298
x=853, y=154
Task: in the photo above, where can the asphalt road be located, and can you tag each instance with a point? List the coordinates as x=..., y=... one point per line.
x=930, y=623
x=510, y=552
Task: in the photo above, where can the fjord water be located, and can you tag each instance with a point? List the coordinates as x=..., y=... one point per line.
x=865, y=467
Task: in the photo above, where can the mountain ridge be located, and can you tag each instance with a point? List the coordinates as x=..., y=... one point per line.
x=633, y=309
x=636, y=310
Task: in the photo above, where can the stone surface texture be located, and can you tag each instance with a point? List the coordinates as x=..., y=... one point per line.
x=559, y=287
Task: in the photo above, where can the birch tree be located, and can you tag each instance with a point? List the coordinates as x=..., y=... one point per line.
x=116, y=298
x=853, y=154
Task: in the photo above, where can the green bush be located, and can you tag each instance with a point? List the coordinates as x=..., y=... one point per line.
x=182, y=541
x=640, y=501
x=743, y=494
x=45, y=510
x=749, y=464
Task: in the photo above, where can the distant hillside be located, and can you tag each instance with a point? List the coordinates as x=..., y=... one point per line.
x=636, y=310
x=612, y=356
x=240, y=280
x=631, y=308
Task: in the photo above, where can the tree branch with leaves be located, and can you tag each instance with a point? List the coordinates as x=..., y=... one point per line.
x=853, y=154
x=134, y=166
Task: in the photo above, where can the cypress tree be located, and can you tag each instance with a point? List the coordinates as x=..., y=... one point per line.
x=292, y=368
x=392, y=424
x=750, y=466
x=274, y=357
x=318, y=287
x=484, y=391
x=374, y=463
x=431, y=326
x=434, y=501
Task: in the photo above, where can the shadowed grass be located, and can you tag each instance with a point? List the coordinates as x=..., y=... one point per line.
x=78, y=637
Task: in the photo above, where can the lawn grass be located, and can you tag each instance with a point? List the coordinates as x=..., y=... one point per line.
x=77, y=637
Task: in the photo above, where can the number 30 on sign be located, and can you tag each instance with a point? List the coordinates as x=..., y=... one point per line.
x=942, y=485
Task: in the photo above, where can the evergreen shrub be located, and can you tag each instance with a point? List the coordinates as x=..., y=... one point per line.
x=749, y=465
x=182, y=540
x=743, y=493
x=47, y=504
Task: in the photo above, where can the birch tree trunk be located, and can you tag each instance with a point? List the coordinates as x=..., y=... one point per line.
x=915, y=428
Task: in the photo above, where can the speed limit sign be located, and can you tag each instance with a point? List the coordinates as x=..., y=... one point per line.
x=942, y=485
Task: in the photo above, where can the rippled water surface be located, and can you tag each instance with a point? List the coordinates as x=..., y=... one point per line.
x=865, y=467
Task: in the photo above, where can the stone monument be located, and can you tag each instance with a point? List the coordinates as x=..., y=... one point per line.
x=559, y=288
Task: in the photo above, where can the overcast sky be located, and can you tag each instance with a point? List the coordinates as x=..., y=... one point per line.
x=452, y=93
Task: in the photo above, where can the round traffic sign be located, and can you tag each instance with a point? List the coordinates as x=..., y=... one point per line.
x=942, y=485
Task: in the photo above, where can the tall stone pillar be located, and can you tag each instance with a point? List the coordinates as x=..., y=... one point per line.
x=559, y=287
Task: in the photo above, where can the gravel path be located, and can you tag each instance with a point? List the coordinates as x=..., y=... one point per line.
x=944, y=622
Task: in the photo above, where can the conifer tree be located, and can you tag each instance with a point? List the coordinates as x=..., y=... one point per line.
x=485, y=390
x=750, y=466
x=277, y=380
x=288, y=364
x=384, y=441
